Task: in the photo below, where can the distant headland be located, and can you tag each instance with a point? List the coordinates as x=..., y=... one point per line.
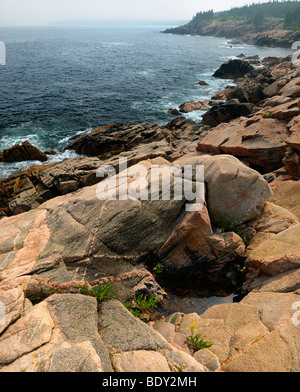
x=272, y=24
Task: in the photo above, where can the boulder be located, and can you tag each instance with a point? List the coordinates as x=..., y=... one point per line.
x=285, y=282
x=141, y=361
x=126, y=332
x=221, y=95
x=191, y=106
x=276, y=101
x=202, y=83
x=274, y=88
x=174, y=112
x=253, y=89
x=234, y=69
x=291, y=89
x=291, y=162
x=115, y=139
x=12, y=305
x=23, y=152
x=273, y=219
x=167, y=330
x=240, y=94
x=208, y=359
x=142, y=348
x=231, y=184
x=226, y=112
x=32, y=187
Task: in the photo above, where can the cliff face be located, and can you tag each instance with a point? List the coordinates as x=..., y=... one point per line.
x=272, y=35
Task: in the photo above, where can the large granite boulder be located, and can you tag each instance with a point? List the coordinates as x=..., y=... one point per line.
x=230, y=184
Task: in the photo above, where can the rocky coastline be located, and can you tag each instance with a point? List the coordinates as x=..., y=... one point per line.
x=240, y=32
x=59, y=243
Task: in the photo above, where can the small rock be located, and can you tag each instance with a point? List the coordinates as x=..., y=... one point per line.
x=174, y=112
x=191, y=106
x=202, y=83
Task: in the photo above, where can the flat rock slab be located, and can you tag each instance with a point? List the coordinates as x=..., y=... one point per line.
x=279, y=254
x=261, y=142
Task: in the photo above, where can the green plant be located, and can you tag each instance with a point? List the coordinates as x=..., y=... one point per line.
x=246, y=241
x=226, y=224
x=178, y=368
x=140, y=304
x=101, y=293
x=114, y=351
x=158, y=269
x=100, y=328
x=196, y=341
x=268, y=115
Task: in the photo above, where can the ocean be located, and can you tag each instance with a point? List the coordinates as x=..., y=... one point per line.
x=61, y=81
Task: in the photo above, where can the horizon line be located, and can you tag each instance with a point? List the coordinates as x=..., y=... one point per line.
x=102, y=22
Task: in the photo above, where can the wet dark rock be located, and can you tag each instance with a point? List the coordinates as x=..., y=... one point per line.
x=234, y=69
x=239, y=94
x=226, y=112
x=174, y=112
x=22, y=152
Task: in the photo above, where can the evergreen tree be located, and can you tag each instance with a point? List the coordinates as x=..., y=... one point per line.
x=259, y=19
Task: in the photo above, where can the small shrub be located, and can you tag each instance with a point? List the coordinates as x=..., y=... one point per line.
x=196, y=341
x=140, y=304
x=101, y=293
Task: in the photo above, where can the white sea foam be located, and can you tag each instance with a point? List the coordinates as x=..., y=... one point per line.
x=9, y=168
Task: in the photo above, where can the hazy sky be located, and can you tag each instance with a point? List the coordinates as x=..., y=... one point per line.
x=40, y=12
